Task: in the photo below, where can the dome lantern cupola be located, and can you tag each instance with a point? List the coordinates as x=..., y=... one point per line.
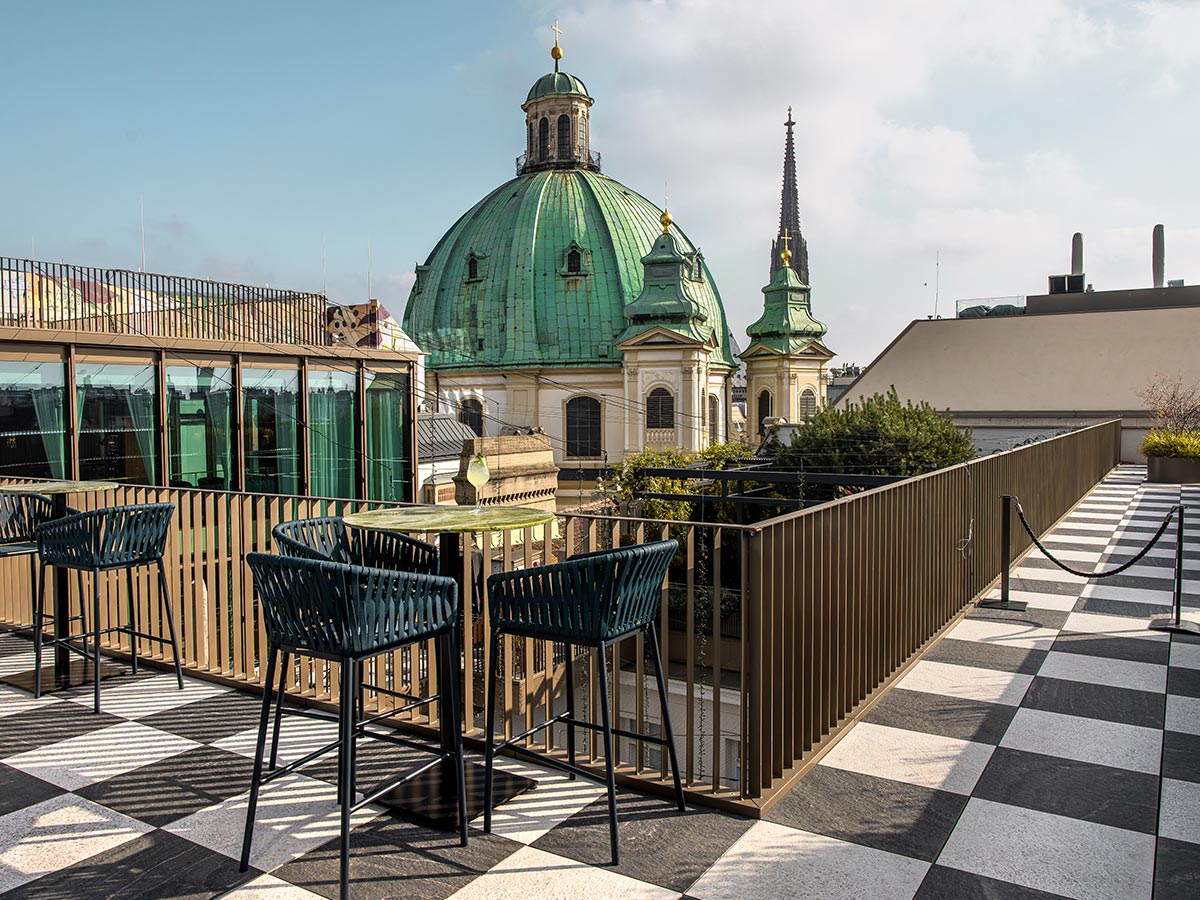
x=557, y=133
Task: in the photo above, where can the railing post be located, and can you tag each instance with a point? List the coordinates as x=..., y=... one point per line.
x=1176, y=622
x=1005, y=560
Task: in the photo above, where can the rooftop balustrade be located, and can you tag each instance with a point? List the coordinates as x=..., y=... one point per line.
x=776, y=635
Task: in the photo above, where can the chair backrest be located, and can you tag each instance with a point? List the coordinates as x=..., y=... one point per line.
x=114, y=536
x=593, y=596
x=329, y=539
x=341, y=611
x=21, y=514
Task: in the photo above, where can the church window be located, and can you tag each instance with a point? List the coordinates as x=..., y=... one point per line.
x=764, y=410
x=529, y=140
x=808, y=403
x=660, y=409
x=574, y=262
x=564, y=137
x=472, y=268
x=714, y=419
x=583, y=427
x=543, y=139
x=470, y=413
x=697, y=268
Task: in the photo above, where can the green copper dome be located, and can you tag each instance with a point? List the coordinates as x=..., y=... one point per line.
x=539, y=274
x=557, y=83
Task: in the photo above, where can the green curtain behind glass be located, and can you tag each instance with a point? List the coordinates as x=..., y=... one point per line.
x=48, y=406
x=387, y=423
x=331, y=439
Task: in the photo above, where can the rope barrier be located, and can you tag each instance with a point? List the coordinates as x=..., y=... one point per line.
x=1119, y=569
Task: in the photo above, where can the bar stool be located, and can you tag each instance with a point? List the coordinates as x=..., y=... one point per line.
x=20, y=515
x=112, y=539
x=328, y=538
x=346, y=614
x=593, y=600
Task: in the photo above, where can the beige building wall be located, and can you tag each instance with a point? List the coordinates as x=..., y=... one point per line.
x=1047, y=370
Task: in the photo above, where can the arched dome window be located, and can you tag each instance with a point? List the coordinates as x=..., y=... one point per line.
x=660, y=409
x=808, y=402
x=564, y=137
x=698, y=268
x=472, y=267
x=714, y=419
x=574, y=262
x=529, y=137
x=764, y=410
x=543, y=139
x=583, y=427
x=470, y=413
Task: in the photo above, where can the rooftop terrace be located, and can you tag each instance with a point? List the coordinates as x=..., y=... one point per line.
x=1040, y=754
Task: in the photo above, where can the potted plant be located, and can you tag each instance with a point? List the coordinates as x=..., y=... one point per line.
x=1172, y=448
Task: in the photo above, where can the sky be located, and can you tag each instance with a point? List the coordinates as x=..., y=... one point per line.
x=946, y=150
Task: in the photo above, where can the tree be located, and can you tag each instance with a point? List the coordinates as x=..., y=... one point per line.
x=1175, y=404
x=876, y=436
x=630, y=481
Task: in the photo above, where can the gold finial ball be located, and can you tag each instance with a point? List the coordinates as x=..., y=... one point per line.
x=665, y=218
x=556, y=52
x=786, y=256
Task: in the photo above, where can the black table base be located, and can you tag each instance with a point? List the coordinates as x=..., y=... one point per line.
x=432, y=797
x=78, y=673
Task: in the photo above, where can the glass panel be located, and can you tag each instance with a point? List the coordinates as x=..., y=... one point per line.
x=660, y=409
x=32, y=419
x=332, y=437
x=564, y=137
x=389, y=421
x=470, y=413
x=199, y=430
x=118, y=421
x=269, y=422
x=583, y=427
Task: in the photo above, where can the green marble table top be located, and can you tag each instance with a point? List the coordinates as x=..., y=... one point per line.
x=58, y=487
x=449, y=518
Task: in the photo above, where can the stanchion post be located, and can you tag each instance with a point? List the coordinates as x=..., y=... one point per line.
x=1175, y=622
x=1005, y=560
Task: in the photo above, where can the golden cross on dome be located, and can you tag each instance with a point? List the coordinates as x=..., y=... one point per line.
x=556, y=51
x=786, y=255
x=557, y=31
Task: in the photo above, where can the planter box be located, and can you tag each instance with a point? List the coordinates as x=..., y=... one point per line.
x=1173, y=469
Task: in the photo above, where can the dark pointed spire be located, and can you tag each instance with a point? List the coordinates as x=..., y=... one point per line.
x=789, y=213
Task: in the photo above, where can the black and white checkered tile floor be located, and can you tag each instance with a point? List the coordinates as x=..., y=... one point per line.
x=1050, y=753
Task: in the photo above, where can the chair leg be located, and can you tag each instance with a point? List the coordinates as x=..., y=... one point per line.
x=489, y=747
x=259, y=748
x=96, y=640
x=39, y=624
x=133, y=622
x=608, y=757
x=570, y=707
x=83, y=618
x=346, y=727
x=668, y=734
x=283, y=673
x=164, y=605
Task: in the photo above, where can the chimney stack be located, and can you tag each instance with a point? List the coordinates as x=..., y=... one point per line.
x=1077, y=254
x=1158, y=255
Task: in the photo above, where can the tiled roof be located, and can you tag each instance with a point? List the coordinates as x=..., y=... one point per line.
x=440, y=436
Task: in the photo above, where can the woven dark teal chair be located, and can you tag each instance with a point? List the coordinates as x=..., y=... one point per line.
x=105, y=540
x=592, y=600
x=347, y=614
x=20, y=515
x=328, y=538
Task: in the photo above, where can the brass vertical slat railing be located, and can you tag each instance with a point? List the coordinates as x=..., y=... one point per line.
x=773, y=634
x=65, y=297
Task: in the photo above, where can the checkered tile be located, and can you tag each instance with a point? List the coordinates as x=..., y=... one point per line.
x=1051, y=753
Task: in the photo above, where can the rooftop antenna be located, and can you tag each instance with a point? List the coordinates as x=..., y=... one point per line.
x=368, y=268
x=937, y=279
x=324, y=270
x=142, y=223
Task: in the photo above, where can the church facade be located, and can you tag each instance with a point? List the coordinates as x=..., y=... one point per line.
x=567, y=303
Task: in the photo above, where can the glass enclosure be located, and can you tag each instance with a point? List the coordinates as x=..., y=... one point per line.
x=270, y=423
x=332, y=435
x=389, y=423
x=118, y=421
x=32, y=419
x=199, y=429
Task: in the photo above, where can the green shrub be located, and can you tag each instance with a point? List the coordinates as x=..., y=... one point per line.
x=1165, y=442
